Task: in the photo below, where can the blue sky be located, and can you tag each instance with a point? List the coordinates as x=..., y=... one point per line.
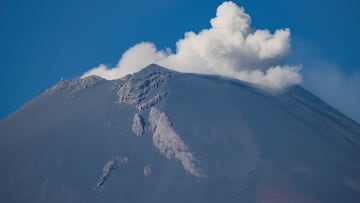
x=42, y=41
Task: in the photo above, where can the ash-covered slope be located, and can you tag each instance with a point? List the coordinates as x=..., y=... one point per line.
x=163, y=136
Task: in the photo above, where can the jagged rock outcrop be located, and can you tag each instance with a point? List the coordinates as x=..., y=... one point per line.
x=145, y=90
x=108, y=169
x=76, y=85
x=138, y=125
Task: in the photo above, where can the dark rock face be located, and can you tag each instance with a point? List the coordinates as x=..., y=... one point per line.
x=163, y=136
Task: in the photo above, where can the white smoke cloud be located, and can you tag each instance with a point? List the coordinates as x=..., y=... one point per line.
x=230, y=47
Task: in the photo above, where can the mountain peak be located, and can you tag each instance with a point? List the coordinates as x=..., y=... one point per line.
x=155, y=68
x=164, y=135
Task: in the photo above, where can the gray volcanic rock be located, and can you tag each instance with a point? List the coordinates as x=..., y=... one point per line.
x=203, y=139
x=170, y=143
x=138, y=125
x=108, y=168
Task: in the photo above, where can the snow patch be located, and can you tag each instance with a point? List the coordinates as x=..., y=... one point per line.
x=170, y=143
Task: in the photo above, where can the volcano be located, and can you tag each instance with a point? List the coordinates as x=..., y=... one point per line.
x=164, y=136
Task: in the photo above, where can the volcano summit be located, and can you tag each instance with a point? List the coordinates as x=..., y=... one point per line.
x=164, y=136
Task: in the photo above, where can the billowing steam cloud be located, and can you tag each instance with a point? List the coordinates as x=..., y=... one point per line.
x=229, y=48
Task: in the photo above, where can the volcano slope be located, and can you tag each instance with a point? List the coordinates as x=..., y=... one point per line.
x=164, y=136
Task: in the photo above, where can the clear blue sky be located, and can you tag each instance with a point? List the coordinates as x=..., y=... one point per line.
x=42, y=41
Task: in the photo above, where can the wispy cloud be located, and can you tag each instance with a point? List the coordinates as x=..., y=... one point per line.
x=335, y=87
